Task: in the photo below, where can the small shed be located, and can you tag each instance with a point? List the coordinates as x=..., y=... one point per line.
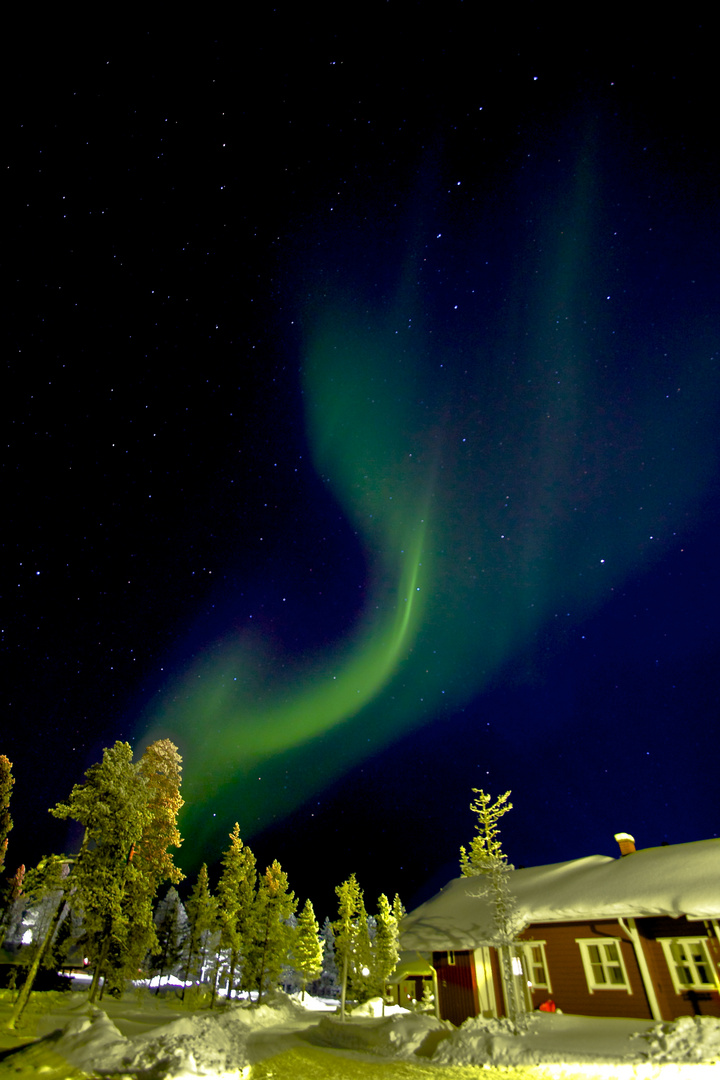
x=412, y=979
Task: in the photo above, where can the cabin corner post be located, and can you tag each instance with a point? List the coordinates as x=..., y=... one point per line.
x=632, y=932
x=716, y=928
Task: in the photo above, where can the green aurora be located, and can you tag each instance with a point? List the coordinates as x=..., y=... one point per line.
x=500, y=473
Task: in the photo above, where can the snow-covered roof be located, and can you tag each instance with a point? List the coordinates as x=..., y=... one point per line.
x=682, y=879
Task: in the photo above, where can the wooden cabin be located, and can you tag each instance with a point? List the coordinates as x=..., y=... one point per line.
x=636, y=936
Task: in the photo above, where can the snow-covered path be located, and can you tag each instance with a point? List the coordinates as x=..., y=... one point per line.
x=142, y=1036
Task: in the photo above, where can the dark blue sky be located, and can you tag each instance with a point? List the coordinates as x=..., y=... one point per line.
x=185, y=211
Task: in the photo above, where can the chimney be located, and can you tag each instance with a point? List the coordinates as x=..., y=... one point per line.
x=626, y=842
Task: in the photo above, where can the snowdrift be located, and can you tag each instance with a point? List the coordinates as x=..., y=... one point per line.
x=231, y=1040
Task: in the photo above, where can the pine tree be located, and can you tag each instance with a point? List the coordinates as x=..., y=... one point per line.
x=350, y=931
x=361, y=984
x=488, y=862
x=6, y=822
x=271, y=934
x=159, y=770
x=307, y=950
x=112, y=804
x=202, y=923
x=386, y=951
x=236, y=893
x=161, y=767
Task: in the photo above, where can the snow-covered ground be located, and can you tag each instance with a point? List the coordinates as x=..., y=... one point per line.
x=144, y=1035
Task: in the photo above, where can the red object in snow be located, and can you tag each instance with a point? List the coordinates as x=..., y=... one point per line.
x=548, y=1006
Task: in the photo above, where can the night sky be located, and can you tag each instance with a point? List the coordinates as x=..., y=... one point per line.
x=361, y=411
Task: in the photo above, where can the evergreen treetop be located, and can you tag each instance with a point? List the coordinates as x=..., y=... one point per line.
x=160, y=768
x=350, y=929
x=386, y=951
x=485, y=846
x=271, y=933
x=236, y=893
x=201, y=909
x=307, y=948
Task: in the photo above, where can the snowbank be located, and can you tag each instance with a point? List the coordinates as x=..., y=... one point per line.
x=374, y=1007
x=581, y=1040
x=692, y=1038
x=231, y=1041
x=399, y=1036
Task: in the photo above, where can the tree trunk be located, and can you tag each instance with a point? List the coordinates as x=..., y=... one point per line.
x=231, y=976
x=24, y=995
x=344, y=987
x=98, y=967
x=262, y=962
x=191, y=955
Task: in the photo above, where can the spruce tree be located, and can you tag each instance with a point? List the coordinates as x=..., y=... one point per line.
x=6, y=822
x=271, y=934
x=170, y=925
x=236, y=893
x=349, y=927
x=307, y=950
x=327, y=985
x=361, y=984
x=386, y=950
x=202, y=922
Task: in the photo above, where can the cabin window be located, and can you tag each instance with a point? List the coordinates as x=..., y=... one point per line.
x=689, y=963
x=451, y=959
x=536, y=965
x=604, y=965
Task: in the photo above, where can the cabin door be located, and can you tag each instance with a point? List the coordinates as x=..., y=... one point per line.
x=485, y=985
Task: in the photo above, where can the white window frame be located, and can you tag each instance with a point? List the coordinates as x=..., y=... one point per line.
x=699, y=943
x=585, y=944
x=527, y=947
